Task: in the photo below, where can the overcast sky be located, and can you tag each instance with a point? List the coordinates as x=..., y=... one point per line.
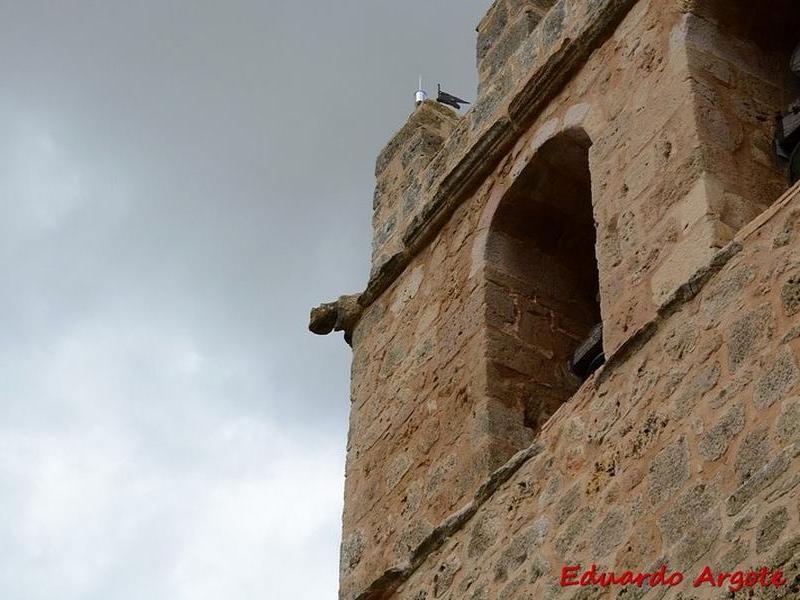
x=179, y=183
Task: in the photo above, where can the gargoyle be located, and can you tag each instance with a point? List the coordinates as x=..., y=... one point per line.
x=340, y=315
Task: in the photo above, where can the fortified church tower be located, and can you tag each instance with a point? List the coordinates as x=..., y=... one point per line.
x=619, y=195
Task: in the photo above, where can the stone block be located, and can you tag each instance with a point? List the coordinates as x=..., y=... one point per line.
x=483, y=534
x=788, y=424
x=688, y=513
x=512, y=37
x=693, y=250
x=610, y=533
x=491, y=28
x=790, y=296
x=761, y=480
x=778, y=380
x=748, y=334
x=713, y=444
x=770, y=528
x=668, y=471
x=752, y=455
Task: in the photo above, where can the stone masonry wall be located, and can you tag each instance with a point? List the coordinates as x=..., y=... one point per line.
x=424, y=431
x=684, y=451
x=737, y=61
x=727, y=104
x=507, y=24
x=429, y=421
x=414, y=418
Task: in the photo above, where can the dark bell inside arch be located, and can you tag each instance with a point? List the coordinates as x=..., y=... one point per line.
x=787, y=137
x=588, y=357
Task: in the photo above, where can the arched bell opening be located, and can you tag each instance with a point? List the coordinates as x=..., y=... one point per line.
x=544, y=332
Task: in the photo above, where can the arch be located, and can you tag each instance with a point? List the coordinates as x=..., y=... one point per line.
x=541, y=281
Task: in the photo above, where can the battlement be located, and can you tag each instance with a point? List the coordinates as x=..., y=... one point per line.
x=401, y=170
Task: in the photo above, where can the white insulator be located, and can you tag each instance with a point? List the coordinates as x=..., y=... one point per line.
x=421, y=95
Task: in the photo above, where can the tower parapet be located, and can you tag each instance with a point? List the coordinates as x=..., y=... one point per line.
x=399, y=173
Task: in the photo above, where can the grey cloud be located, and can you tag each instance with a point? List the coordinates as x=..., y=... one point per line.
x=179, y=183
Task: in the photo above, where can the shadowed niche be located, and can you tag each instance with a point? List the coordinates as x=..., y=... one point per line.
x=542, y=281
x=746, y=55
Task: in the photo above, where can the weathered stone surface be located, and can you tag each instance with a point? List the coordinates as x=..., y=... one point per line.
x=483, y=535
x=491, y=28
x=668, y=471
x=443, y=579
x=696, y=542
x=688, y=513
x=779, y=379
x=790, y=296
x=351, y=551
x=574, y=527
x=752, y=455
x=788, y=425
x=790, y=335
x=428, y=118
x=633, y=137
x=399, y=172
x=786, y=551
x=770, y=528
x=761, y=480
x=734, y=557
x=517, y=551
x=512, y=37
x=728, y=288
x=746, y=335
x=610, y=533
x=567, y=504
x=703, y=382
x=784, y=485
x=715, y=442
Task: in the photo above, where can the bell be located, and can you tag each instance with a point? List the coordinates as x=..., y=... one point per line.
x=588, y=357
x=794, y=165
x=787, y=136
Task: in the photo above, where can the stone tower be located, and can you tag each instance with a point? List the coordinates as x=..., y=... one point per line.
x=617, y=167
